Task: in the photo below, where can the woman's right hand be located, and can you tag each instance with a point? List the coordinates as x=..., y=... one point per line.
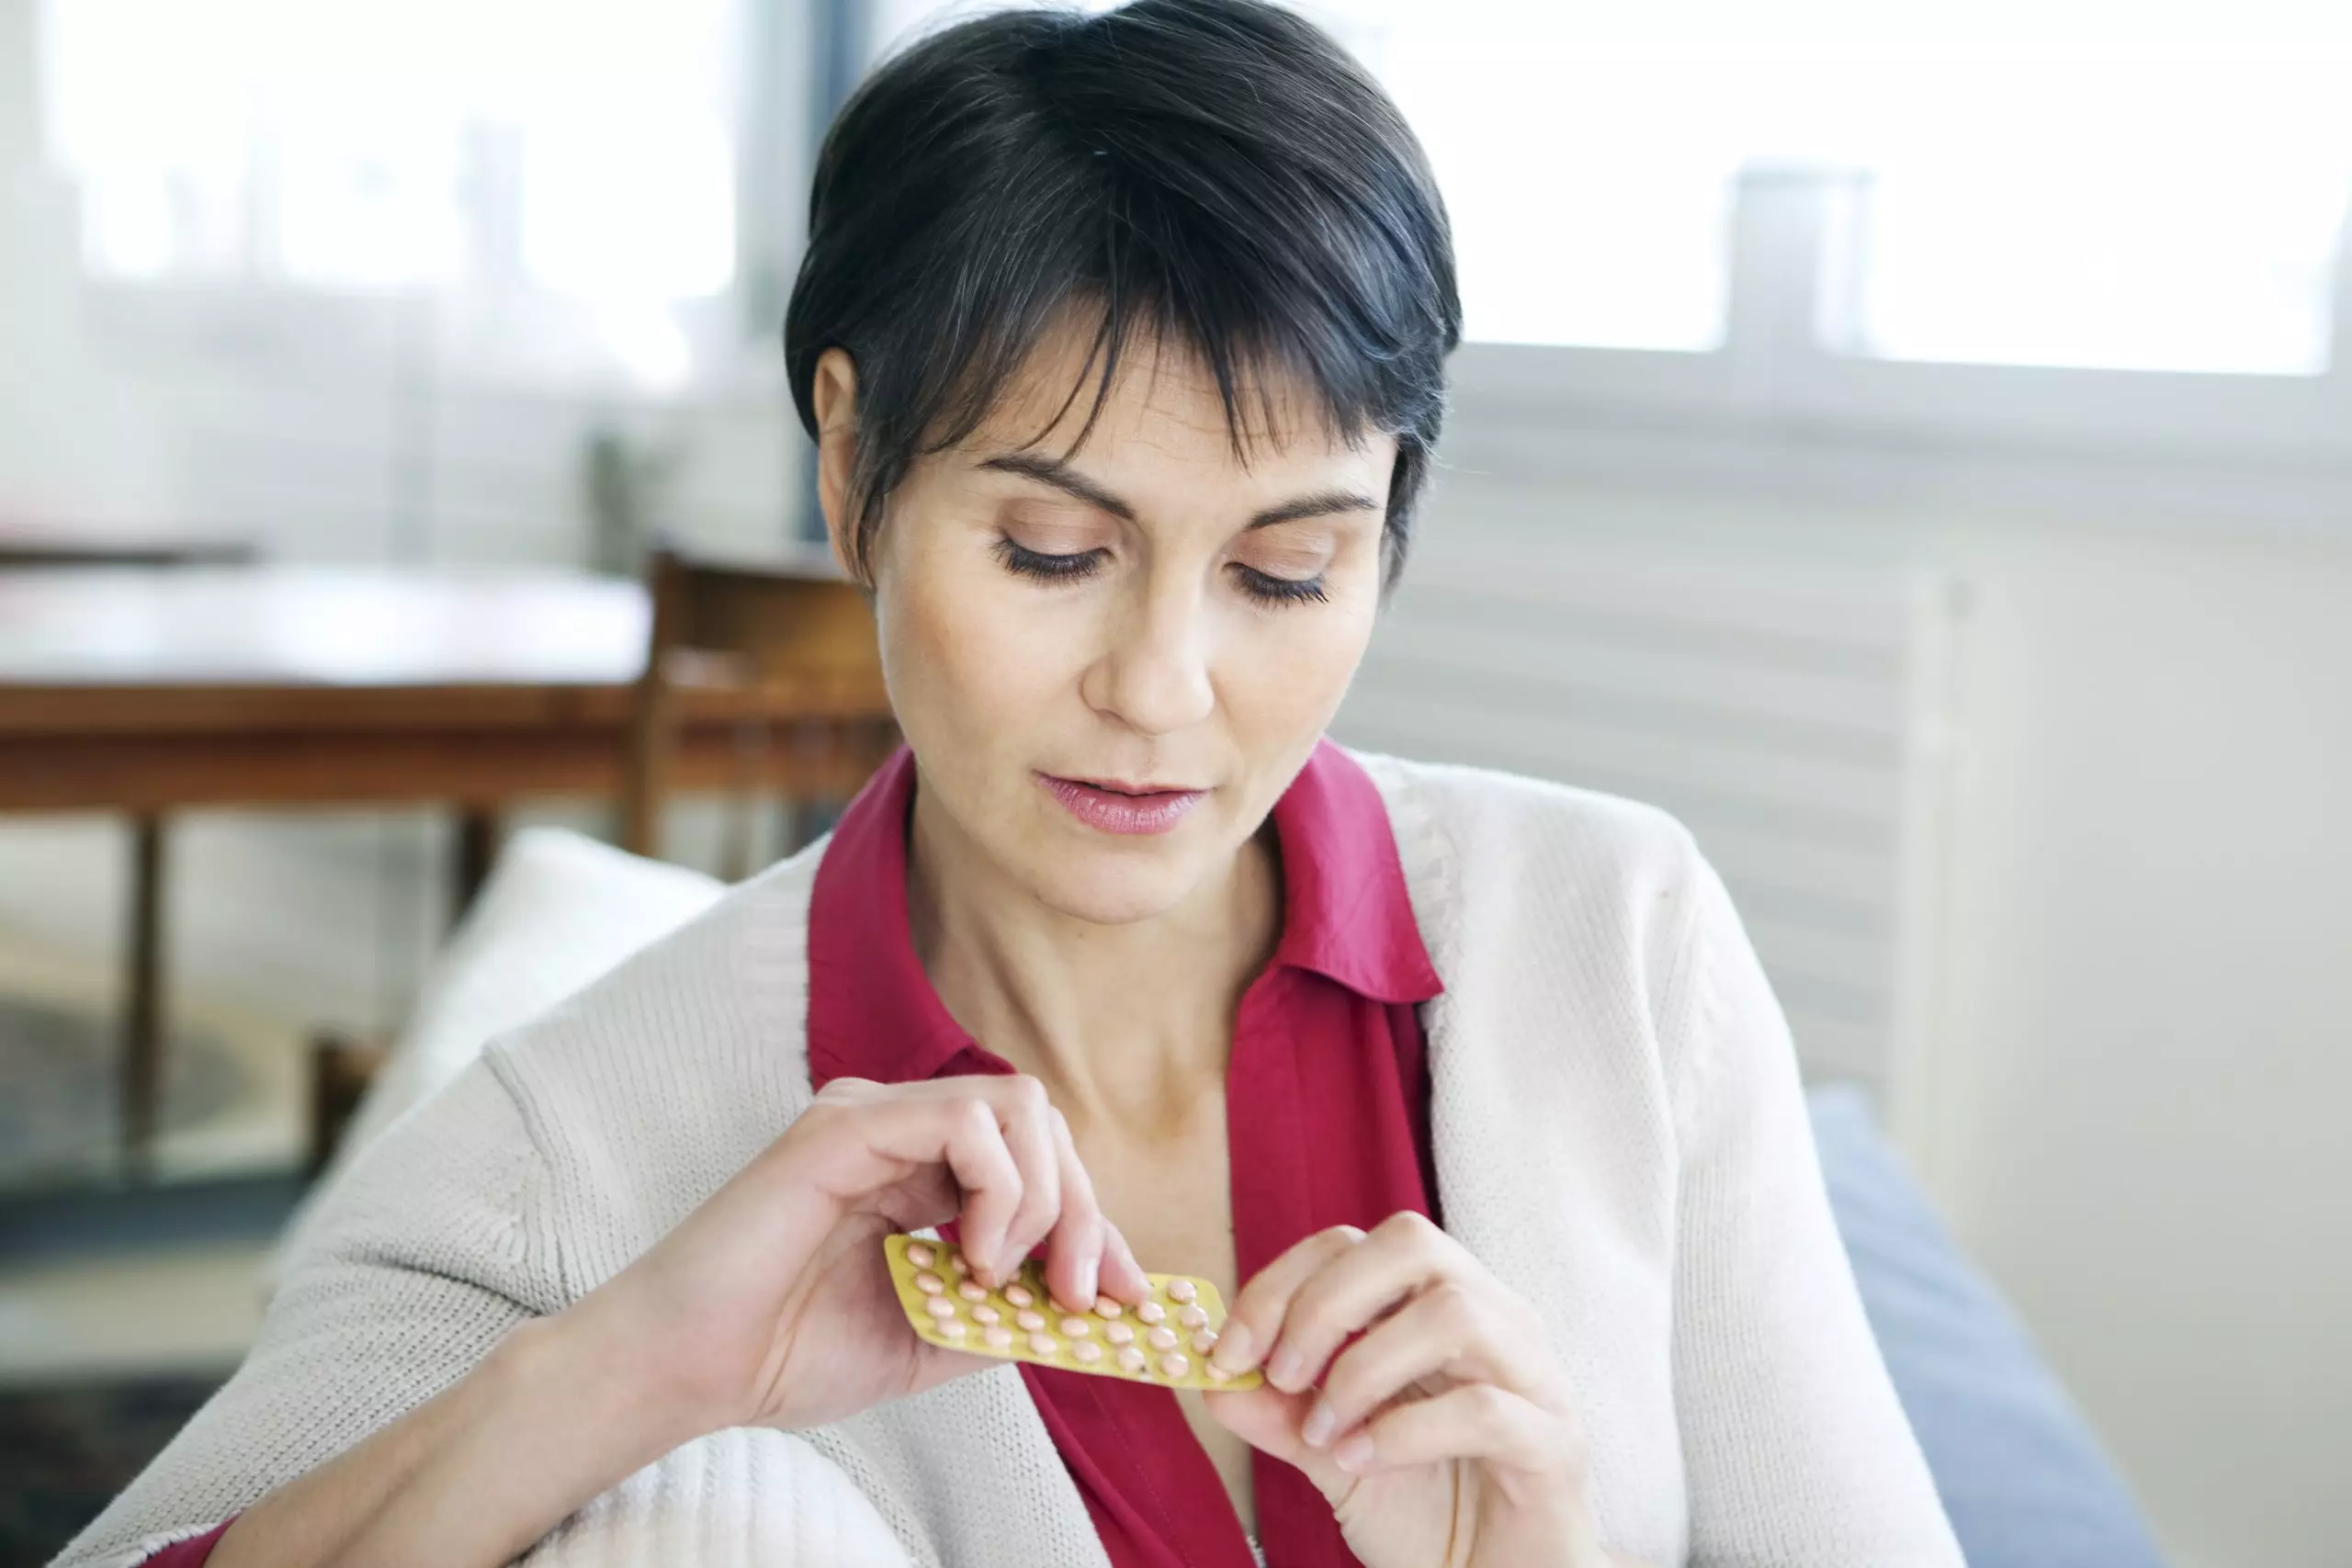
x=772, y=1304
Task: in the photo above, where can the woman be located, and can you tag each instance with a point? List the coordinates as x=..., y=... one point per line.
x=1122, y=342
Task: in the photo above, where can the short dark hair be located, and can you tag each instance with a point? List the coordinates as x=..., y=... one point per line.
x=1220, y=173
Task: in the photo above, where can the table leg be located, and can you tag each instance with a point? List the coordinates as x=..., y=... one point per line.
x=142, y=1029
x=477, y=846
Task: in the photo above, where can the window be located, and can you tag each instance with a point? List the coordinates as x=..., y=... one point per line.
x=531, y=159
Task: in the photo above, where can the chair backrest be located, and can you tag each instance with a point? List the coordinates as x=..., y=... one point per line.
x=790, y=639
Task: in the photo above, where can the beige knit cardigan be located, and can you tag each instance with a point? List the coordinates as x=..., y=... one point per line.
x=1619, y=1136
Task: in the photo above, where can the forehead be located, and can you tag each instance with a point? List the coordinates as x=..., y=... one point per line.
x=1162, y=402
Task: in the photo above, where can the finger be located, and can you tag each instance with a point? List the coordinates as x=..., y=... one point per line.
x=1256, y=1318
x=1027, y=1119
x=1452, y=1330
x=1074, y=1251
x=1122, y=1275
x=989, y=1174
x=856, y=1147
x=1402, y=1256
x=1476, y=1421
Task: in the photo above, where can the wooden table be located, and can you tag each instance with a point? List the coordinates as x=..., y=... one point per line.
x=150, y=691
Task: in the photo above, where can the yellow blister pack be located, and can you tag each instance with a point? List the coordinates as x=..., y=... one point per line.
x=1166, y=1341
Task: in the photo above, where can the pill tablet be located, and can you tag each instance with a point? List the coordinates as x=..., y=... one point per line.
x=1164, y=1341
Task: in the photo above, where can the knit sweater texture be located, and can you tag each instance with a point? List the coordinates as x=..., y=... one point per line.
x=1621, y=1137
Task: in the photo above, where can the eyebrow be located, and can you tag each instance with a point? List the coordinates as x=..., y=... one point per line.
x=1069, y=481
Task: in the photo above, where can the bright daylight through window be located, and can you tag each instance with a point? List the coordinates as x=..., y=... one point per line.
x=2096, y=183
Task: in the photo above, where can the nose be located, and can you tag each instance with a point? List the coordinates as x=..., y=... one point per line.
x=1153, y=675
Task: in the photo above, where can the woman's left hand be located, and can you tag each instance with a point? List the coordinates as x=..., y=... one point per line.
x=1445, y=1434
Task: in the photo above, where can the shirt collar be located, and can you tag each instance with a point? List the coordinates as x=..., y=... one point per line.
x=872, y=1010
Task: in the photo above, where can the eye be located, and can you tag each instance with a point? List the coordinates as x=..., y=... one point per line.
x=1048, y=567
x=1267, y=589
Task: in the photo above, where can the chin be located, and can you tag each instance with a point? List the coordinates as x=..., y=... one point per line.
x=1112, y=887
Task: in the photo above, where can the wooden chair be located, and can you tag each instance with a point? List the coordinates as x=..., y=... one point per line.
x=780, y=655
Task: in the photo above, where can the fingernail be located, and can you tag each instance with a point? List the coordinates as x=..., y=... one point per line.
x=1284, y=1371
x=1354, y=1452
x=1087, y=1280
x=1317, y=1431
x=1233, y=1349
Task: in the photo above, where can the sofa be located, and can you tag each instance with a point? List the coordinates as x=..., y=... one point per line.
x=2021, y=1474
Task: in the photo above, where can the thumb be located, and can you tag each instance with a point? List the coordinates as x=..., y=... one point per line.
x=1269, y=1420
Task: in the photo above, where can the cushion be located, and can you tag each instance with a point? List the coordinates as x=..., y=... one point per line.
x=2021, y=1474
x=558, y=911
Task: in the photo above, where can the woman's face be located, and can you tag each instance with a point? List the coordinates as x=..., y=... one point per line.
x=1109, y=667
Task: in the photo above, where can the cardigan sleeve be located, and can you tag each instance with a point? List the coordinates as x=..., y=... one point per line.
x=1795, y=1448
x=422, y=1265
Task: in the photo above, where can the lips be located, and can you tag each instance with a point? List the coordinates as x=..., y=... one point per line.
x=1122, y=808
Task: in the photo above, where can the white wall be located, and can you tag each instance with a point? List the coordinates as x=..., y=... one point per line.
x=2146, y=998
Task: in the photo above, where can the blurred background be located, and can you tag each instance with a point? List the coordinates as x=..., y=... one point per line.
x=1911, y=441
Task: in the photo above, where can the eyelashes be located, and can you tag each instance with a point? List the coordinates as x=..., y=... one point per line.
x=1263, y=587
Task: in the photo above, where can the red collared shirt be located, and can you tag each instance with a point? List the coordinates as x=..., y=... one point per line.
x=1326, y=1118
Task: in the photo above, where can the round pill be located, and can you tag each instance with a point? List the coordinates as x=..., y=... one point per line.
x=1076, y=1327
x=1019, y=1295
x=984, y=1313
x=972, y=1290
x=1151, y=1312
x=1162, y=1338
x=1194, y=1316
x=1173, y=1365
x=1032, y=1321
x=1204, y=1341
x=1106, y=1306
x=1087, y=1351
x=955, y=1264
x=930, y=1284
x=1131, y=1359
x=1042, y=1343
x=953, y=1328
x=919, y=1255
x=940, y=1306
x=1181, y=1291
x=1119, y=1333
x=998, y=1339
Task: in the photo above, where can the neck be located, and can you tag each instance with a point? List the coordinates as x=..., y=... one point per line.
x=1126, y=1026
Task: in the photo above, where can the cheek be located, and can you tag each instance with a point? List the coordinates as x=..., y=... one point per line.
x=1288, y=674
x=965, y=663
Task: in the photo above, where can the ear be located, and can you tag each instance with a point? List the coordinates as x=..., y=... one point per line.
x=834, y=395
